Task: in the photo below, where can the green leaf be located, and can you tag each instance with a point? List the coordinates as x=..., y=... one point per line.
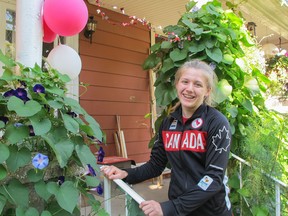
x=167, y=65
x=92, y=181
x=260, y=211
x=196, y=47
x=46, y=213
x=64, y=150
x=31, y=212
x=41, y=124
x=34, y=175
x=223, y=91
x=252, y=84
x=2, y=124
x=86, y=156
x=52, y=187
x=178, y=55
x=18, y=158
x=165, y=93
x=67, y=196
x=152, y=61
x=6, y=60
x=233, y=110
x=16, y=134
x=3, y=173
x=3, y=201
x=29, y=108
x=228, y=59
x=94, y=125
x=42, y=191
x=247, y=104
x=55, y=104
x=4, y=152
x=16, y=193
x=70, y=124
x=166, y=45
x=194, y=27
x=215, y=54
x=75, y=106
x=244, y=192
x=55, y=90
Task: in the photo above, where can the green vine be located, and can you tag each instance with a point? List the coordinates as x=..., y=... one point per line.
x=220, y=38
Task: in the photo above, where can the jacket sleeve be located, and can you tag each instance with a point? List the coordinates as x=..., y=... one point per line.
x=154, y=167
x=217, y=154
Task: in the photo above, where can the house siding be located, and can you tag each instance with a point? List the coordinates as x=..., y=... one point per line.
x=112, y=67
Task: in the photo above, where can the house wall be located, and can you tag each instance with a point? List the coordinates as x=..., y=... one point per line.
x=118, y=85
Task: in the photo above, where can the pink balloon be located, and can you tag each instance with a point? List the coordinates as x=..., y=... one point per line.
x=49, y=36
x=65, y=17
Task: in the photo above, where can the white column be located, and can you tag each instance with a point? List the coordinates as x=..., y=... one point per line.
x=29, y=32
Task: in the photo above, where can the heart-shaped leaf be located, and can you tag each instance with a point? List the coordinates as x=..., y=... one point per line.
x=22, y=109
x=67, y=196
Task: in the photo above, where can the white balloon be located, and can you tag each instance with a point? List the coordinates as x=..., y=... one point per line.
x=66, y=60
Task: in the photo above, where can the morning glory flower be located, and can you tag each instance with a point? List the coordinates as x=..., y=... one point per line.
x=38, y=88
x=9, y=93
x=21, y=93
x=98, y=189
x=31, y=130
x=91, y=170
x=17, y=124
x=4, y=119
x=101, y=154
x=40, y=161
x=72, y=114
x=61, y=180
x=212, y=65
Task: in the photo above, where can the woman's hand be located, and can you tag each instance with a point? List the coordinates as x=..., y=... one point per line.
x=112, y=172
x=151, y=208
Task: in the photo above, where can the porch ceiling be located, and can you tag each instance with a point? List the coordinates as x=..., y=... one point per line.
x=270, y=17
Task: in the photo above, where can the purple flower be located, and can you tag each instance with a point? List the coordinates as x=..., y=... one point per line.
x=72, y=114
x=38, y=88
x=212, y=65
x=91, y=170
x=61, y=180
x=31, y=130
x=21, y=93
x=40, y=161
x=9, y=93
x=4, y=119
x=101, y=154
x=17, y=124
x=98, y=189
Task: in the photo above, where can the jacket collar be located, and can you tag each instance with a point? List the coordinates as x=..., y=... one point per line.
x=177, y=114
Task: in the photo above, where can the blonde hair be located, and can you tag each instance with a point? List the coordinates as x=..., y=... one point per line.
x=207, y=71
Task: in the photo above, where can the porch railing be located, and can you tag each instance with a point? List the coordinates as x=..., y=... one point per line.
x=128, y=190
x=108, y=193
x=278, y=184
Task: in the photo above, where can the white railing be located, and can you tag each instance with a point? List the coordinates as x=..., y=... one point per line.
x=128, y=190
x=278, y=184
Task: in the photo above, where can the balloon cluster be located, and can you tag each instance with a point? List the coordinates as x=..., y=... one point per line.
x=64, y=18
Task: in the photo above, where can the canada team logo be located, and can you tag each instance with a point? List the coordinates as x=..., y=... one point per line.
x=222, y=140
x=197, y=123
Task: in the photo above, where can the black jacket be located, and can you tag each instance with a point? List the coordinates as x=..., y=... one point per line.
x=197, y=152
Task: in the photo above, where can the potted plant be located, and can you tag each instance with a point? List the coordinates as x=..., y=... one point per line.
x=45, y=136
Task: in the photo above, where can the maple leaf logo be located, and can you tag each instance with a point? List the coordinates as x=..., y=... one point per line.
x=222, y=139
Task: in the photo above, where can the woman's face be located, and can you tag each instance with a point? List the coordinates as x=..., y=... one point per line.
x=192, y=89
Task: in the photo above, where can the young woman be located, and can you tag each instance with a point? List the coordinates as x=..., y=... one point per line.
x=195, y=139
